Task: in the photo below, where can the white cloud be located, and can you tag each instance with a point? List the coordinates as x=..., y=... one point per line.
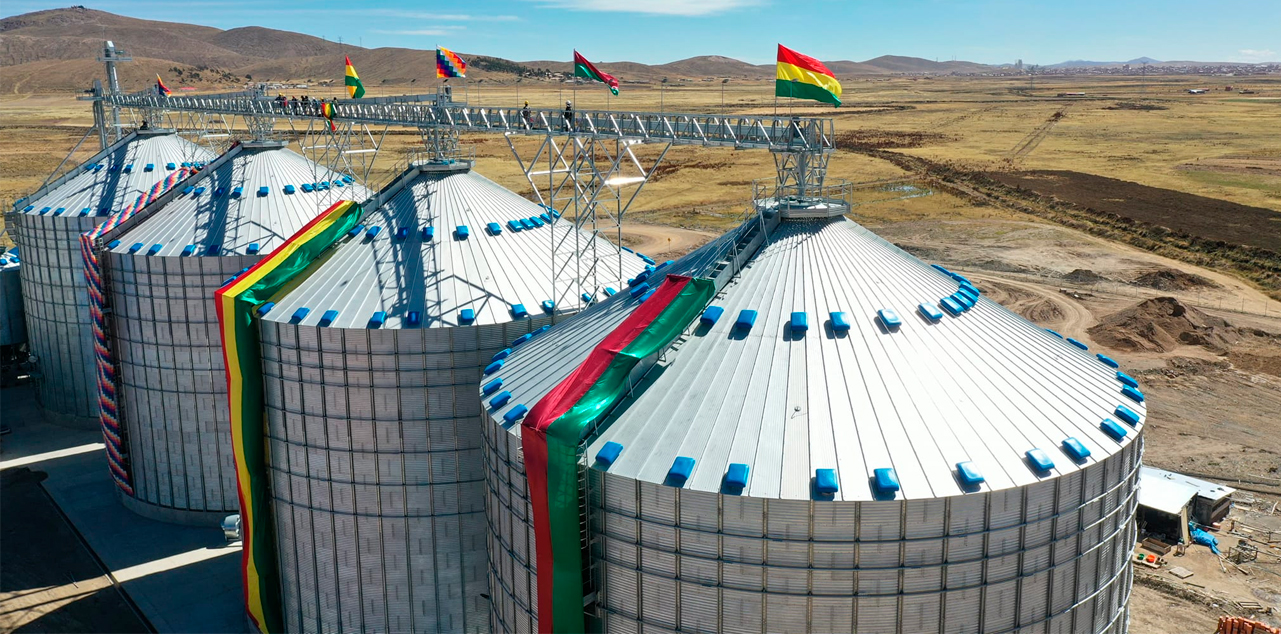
x=445, y=17
x=1255, y=56
x=445, y=30
x=657, y=7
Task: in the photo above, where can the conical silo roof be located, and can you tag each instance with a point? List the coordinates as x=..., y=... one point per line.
x=439, y=241
x=248, y=201
x=983, y=387
x=114, y=178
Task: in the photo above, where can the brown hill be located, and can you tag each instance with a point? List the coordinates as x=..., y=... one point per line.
x=55, y=51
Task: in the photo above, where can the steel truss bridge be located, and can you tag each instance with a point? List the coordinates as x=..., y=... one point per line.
x=586, y=166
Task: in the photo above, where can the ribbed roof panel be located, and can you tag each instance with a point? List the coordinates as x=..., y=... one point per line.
x=983, y=387
x=398, y=270
x=226, y=206
x=114, y=179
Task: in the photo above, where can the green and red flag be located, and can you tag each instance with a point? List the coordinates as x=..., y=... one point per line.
x=242, y=356
x=554, y=430
x=355, y=89
x=584, y=68
x=804, y=77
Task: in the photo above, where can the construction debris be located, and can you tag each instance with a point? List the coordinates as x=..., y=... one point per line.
x=1238, y=625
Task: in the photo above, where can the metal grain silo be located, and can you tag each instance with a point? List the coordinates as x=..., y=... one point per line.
x=370, y=365
x=844, y=439
x=160, y=270
x=48, y=225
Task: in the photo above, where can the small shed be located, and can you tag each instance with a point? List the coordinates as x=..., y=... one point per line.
x=1213, y=500
x=1164, y=504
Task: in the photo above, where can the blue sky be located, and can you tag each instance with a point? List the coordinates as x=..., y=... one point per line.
x=658, y=31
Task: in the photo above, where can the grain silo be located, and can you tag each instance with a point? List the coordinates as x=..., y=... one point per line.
x=48, y=228
x=159, y=270
x=840, y=438
x=370, y=364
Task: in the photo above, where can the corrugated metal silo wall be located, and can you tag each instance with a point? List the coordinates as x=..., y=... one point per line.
x=57, y=308
x=13, y=322
x=173, y=384
x=378, y=475
x=1048, y=558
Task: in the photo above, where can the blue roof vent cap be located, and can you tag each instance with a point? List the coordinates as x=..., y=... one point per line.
x=491, y=387
x=378, y=319
x=501, y=354
x=253, y=248
x=328, y=318
x=587, y=299
x=1077, y=343
x=299, y=315
x=609, y=291
x=237, y=191
x=155, y=248
x=265, y=308
x=1113, y=429
x=500, y=400
x=1054, y=332
x=968, y=473
x=640, y=289
x=1039, y=460
x=461, y=231
x=373, y=232
x=355, y=231
x=402, y=233
x=137, y=246
x=149, y=167
x=710, y=315
x=113, y=244
x=308, y=187
x=1132, y=394
x=466, y=316
x=213, y=249
x=522, y=339
x=682, y=468
x=800, y=321
x=608, y=453
x=85, y=211
x=1127, y=379
x=525, y=223
x=953, y=307
x=825, y=482
x=171, y=166
x=746, y=318
x=929, y=311
x=840, y=321
x=648, y=294
x=289, y=189
x=519, y=312
x=429, y=233
x=1075, y=449
x=548, y=305
x=494, y=228
x=1126, y=414
x=736, y=476
x=514, y=226
x=889, y=318
x=494, y=367
x=886, y=480
x=1108, y=361
x=414, y=318
x=189, y=249
x=516, y=413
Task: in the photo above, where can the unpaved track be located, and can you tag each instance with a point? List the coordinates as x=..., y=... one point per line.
x=655, y=240
x=1076, y=318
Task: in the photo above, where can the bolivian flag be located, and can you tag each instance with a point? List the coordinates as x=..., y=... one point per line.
x=327, y=111
x=804, y=77
x=355, y=89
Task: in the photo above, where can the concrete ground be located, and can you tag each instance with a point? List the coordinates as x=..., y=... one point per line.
x=77, y=560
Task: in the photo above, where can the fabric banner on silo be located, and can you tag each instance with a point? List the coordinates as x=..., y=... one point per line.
x=554, y=429
x=236, y=303
x=108, y=408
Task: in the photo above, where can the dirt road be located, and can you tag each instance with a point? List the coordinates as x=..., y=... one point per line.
x=661, y=242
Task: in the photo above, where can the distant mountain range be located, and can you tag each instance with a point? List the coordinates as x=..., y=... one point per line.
x=55, y=50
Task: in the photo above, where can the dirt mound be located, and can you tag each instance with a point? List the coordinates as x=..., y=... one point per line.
x=1084, y=276
x=1161, y=325
x=1172, y=280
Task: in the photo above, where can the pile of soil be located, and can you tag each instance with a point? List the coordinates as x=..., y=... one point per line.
x=1172, y=280
x=1160, y=325
x=1084, y=276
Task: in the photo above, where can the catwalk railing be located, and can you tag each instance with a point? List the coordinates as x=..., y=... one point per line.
x=796, y=134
